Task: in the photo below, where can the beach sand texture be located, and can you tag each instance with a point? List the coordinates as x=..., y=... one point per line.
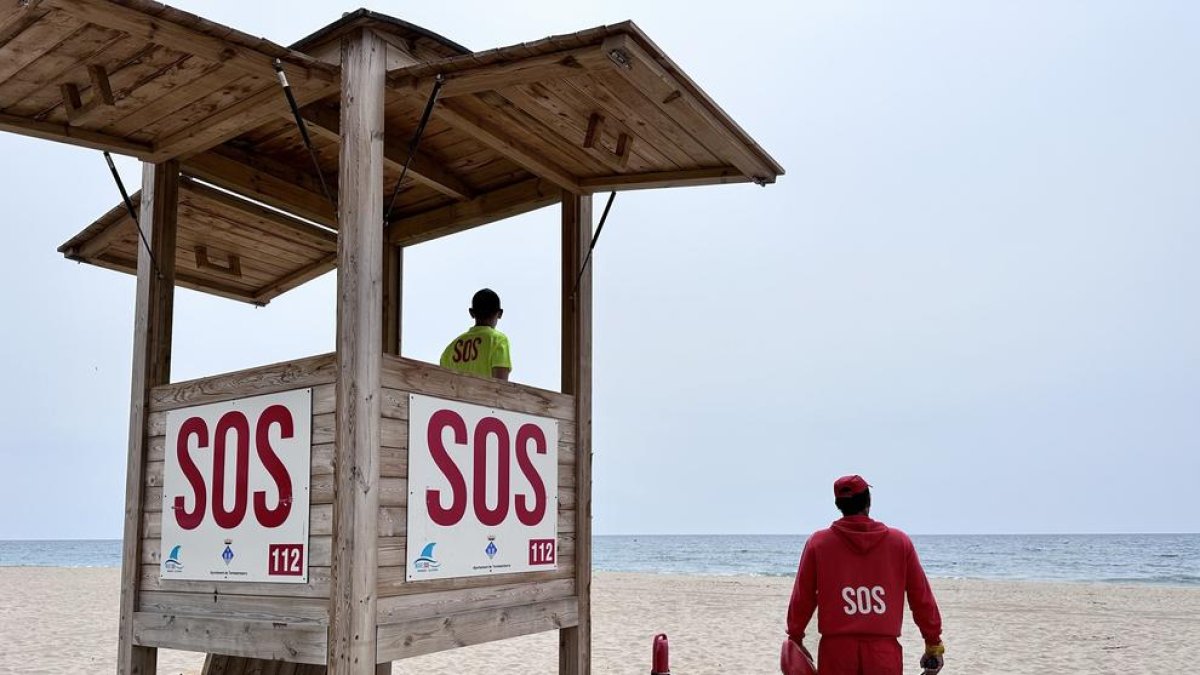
x=58, y=620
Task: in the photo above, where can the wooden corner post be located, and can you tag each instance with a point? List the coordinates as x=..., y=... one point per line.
x=151, y=367
x=575, y=644
x=393, y=296
x=352, y=602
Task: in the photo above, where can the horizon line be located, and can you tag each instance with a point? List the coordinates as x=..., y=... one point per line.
x=753, y=534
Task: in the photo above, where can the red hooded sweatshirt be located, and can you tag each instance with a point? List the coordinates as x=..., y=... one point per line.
x=857, y=573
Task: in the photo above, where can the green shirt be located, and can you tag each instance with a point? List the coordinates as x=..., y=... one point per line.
x=477, y=351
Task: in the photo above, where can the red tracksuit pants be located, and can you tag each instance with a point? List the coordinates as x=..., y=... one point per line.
x=850, y=655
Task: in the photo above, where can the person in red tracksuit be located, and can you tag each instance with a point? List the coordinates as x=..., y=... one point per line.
x=856, y=575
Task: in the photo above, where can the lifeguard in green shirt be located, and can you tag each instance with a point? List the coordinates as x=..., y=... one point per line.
x=482, y=350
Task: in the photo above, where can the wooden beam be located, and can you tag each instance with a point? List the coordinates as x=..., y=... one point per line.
x=422, y=169
x=156, y=29
x=235, y=120
x=566, y=123
x=644, y=73
x=295, y=228
x=352, y=604
x=460, y=629
x=506, y=202
x=575, y=644
x=286, y=283
x=101, y=93
x=500, y=141
x=15, y=17
x=393, y=296
x=231, y=267
x=556, y=66
x=624, y=148
x=74, y=136
x=665, y=179
x=151, y=367
x=283, y=187
x=595, y=124
x=298, y=642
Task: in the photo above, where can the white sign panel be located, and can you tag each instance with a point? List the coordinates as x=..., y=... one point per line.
x=483, y=490
x=235, y=490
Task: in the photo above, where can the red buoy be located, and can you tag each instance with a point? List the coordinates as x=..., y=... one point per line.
x=661, y=661
x=794, y=659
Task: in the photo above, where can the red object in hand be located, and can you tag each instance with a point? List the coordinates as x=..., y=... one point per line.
x=661, y=662
x=794, y=659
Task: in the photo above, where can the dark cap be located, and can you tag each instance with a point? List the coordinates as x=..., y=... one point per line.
x=848, y=486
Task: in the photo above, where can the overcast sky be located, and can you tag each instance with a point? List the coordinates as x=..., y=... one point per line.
x=976, y=285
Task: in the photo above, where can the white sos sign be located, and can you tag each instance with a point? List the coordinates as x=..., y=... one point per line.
x=236, y=490
x=483, y=490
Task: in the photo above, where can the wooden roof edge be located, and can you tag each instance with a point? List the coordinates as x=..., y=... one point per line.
x=162, y=12
x=363, y=17
x=182, y=280
x=670, y=66
x=496, y=55
x=311, y=233
x=411, y=75
x=511, y=200
x=111, y=218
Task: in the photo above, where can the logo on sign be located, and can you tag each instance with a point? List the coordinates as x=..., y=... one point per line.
x=491, y=549
x=426, y=562
x=227, y=554
x=172, y=563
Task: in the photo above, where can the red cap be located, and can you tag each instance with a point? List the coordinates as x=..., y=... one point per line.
x=848, y=486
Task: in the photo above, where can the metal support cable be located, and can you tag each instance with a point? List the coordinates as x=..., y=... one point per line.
x=300, y=123
x=595, y=238
x=438, y=81
x=132, y=212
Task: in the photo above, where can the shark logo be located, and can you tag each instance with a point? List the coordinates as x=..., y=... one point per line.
x=172, y=563
x=426, y=562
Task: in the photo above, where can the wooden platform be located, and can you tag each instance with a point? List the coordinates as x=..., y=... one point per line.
x=288, y=622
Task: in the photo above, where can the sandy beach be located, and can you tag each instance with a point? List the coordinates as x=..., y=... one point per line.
x=59, y=620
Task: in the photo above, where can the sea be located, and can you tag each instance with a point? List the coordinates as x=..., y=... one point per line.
x=1159, y=559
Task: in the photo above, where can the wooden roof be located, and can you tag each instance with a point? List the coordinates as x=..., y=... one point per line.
x=225, y=245
x=591, y=111
x=138, y=77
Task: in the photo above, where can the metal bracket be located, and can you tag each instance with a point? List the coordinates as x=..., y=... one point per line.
x=621, y=58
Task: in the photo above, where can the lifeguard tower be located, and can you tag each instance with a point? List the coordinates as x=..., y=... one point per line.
x=355, y=508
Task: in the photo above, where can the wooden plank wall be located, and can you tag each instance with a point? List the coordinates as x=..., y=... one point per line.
x=427, y=616
x=282, y=621
x=289, y=621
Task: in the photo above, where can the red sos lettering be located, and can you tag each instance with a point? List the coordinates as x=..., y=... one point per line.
x=467, y=350
x=231, y=443
x=529, y=439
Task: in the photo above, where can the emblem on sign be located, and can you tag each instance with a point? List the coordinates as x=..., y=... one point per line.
x=425, y=562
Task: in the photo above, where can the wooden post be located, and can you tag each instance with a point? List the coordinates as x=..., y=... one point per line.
x=393, y=297
x=352, y=620
x=575, y=644
x=151, y=367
